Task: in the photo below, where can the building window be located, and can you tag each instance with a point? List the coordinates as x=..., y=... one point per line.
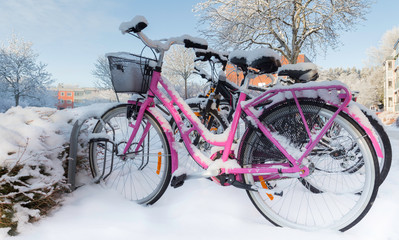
x=390, y=102
x=62, y=94
x=390, y=65
x=69, y=94
x=69, y=101
x=390, y=83
x=61, y=101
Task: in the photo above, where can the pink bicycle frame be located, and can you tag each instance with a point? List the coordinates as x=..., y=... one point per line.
x=295, y=168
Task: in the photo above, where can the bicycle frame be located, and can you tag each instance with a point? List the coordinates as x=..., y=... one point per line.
x=339, y=94
x=227, y=93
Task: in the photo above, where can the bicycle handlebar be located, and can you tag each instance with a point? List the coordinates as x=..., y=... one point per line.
x=210, y=54
x=138, y=23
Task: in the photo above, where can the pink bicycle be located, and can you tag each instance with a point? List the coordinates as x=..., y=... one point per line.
x=303, y=161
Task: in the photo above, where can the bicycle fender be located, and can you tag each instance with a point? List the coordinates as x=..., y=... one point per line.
x=354, y=112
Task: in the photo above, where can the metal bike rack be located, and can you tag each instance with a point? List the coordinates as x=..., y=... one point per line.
x=73, y=150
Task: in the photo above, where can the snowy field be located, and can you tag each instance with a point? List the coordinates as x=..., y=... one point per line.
x=199, y=210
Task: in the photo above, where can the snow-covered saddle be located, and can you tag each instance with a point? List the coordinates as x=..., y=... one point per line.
x=263, y=59
x=300, y=72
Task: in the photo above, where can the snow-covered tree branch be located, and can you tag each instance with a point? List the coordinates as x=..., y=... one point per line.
x=21, y=76
x=286, y=26
x=368, y=81
x=378, y=55
x=102, y=73
x=179, y=67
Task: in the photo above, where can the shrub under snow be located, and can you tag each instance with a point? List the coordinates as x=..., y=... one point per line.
x=34, y=147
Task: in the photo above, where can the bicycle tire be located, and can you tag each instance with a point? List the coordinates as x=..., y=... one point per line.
x=186, y=160
x=386, y=161
x=141, y=176
x=213, y=117
x=331, y=203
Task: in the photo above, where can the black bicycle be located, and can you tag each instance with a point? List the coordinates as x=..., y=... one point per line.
x=217, y=106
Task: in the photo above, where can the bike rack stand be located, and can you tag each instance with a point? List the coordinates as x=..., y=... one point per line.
x=73, y=150
x=73, y=147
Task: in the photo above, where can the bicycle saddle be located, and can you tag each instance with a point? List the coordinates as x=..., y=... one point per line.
x=300, y=72
x=263, y=59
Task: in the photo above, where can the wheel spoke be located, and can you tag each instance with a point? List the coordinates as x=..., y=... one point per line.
x=133, y=174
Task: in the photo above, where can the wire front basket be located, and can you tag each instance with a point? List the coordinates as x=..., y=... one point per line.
x=130, y=73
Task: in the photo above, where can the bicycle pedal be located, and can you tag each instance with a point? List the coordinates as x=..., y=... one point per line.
x=178, y=181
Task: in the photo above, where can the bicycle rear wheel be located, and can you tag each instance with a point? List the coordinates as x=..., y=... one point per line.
x=343, y=179
x=143, y=173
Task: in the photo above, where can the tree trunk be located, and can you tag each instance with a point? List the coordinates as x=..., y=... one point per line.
x=16, y=97
x=185, y=88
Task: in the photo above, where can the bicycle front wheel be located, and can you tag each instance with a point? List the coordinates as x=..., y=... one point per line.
x=343, y=179
x=143, y=173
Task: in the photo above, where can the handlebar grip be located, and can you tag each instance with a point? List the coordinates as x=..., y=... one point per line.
x=139, y=26
x=136, y=25
x=136, y=29
x=190, y=44
x=203, y=56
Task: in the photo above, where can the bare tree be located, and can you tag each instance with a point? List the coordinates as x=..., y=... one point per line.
x=102, y=73
x=286, y=26
x=21, y=75
x=179, y=65
x=368, y=81
x=378, y=55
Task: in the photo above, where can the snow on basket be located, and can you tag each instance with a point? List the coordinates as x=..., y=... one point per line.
x=130, y=73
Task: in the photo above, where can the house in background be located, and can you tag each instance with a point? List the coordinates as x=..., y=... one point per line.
x=72, y=96
x=396, y=79
x=391, y=85
x=66, y=96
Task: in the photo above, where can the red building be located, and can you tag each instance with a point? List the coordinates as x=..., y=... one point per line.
x=65, y=98
x=72, y=96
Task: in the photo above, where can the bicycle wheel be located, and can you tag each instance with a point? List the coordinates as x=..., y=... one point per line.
x=143, y=173
x=383, y=139
x=212, y=120
x=342, y=183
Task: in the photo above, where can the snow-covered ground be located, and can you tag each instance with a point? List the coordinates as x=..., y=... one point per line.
x=199, y=210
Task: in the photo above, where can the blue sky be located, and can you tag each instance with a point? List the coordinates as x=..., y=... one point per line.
x=69, y=35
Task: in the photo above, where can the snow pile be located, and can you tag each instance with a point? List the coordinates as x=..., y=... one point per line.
x=34, y=145
x=94, y=212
